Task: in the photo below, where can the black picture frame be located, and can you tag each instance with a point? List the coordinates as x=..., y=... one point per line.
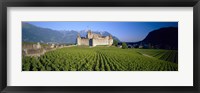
x=98, y=3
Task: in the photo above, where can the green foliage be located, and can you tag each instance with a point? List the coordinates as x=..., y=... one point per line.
x=26, y=63
x=124, y=45
x=115, y=42
x=102, y=59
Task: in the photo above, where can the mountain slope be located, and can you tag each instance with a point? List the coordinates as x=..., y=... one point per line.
x=164, y=38
x=31, y=33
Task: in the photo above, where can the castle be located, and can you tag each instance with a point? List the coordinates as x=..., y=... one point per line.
x=93, y=39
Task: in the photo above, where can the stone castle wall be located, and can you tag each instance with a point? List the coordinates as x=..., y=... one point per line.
x=31, y=46
x=94, y=40
x=102, y=41
x=84, y=42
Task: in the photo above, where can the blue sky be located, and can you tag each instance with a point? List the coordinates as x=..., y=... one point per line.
x=125, y=31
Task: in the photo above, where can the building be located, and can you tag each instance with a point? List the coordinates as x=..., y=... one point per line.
x=93, y=39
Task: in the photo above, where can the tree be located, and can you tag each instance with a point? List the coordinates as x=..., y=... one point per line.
x=115, y=42
x=124, y=45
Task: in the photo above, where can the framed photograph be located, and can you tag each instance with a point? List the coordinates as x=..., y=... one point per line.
x=100, y=46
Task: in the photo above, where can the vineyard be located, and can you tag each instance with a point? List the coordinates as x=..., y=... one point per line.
x=102, y=59
x=167, y=55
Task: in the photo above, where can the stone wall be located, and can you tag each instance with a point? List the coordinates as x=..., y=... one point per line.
x=94, y=40
x=78, y=40
x=110, y=42
x=102, y=41
x=31, y=46
x=34, y=50
x=84, y=42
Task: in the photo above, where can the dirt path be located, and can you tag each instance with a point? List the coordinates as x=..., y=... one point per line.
x=146, y=55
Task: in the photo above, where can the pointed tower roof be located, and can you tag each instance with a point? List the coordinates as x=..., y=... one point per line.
x=110, y=36
x=89, y=31
x=78, y=35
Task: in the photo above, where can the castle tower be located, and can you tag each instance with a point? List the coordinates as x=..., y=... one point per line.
x=89, y=34
x=38, y=46
x=78, y=36
x=110, y=40
x=78, y=41
x=110, y=37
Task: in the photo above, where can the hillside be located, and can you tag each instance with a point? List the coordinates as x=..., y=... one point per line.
x=31, y=33
x=163, y=38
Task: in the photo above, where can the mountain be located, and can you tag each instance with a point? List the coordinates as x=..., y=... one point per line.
x=163, y=38
x=31, y=33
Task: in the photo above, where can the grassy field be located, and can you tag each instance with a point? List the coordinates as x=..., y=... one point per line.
x=103, y=59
